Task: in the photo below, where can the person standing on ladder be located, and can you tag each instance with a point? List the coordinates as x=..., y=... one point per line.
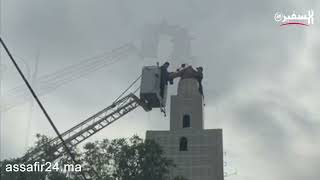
x=199, y=77
x=164, y=78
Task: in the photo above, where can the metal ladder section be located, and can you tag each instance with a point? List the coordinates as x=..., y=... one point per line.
x=87, y=128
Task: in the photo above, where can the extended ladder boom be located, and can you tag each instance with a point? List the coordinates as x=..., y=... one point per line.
x=87, y=128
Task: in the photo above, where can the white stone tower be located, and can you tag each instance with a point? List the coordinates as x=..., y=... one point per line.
x=197, y=152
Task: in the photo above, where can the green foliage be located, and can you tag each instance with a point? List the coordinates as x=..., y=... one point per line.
x=25, y=175
x=125, y=159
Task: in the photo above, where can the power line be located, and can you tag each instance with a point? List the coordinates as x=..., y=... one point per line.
x=40, y=105
x=77, y=70
x=128, y=89
x=52, y=81
x=33, y=77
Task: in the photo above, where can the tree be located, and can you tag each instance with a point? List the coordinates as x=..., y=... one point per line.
x=127, y=159
x=118, y=159
x=13, y=175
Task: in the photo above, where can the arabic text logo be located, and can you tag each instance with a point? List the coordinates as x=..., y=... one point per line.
x=295, y=19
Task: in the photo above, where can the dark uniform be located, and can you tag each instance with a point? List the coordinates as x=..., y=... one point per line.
x=164, y=78
x=199, y=77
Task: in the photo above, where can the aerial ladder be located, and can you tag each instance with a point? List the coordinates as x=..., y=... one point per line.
x=152, y=95
x=87, y=128
x=149, y=98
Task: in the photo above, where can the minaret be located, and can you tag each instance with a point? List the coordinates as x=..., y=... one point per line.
x=197, y=152
x=187, y=106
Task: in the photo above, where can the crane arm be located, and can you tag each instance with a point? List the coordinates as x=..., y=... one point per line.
x=87, y=128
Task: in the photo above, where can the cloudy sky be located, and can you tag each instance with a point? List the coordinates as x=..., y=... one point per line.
x=260, y=78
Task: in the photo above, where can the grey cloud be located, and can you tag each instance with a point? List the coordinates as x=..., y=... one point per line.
x=239, y=45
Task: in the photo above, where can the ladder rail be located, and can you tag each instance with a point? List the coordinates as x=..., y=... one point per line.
x=90, y=126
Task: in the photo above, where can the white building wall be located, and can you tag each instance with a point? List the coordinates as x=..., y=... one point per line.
x=203, y=159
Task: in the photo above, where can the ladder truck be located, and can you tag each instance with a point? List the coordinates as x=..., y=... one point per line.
x=149, y=98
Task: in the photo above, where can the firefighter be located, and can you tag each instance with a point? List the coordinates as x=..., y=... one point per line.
x=199, y=77
x=164, y=78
